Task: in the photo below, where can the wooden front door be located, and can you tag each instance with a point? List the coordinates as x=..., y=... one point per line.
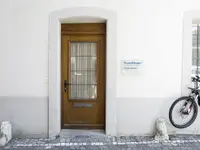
x=83, y=76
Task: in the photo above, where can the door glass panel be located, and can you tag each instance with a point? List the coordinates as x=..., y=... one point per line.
x=83, y=71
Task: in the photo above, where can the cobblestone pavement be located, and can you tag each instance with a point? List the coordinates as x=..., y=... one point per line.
x=103, y=142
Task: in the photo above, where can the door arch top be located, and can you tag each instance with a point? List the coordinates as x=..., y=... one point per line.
x=75, y=15
x=71, y=12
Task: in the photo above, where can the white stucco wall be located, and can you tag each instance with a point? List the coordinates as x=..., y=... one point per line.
x=148, y=30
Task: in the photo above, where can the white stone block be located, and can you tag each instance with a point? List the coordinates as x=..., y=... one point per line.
x=3, y=141
x=5, y=133
x=161, y=130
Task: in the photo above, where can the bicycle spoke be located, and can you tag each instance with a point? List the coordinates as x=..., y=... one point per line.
x=182, y=121
x=186, y=111
x=183, y=112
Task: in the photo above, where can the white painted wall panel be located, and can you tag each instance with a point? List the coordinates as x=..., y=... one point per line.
x=149, y=30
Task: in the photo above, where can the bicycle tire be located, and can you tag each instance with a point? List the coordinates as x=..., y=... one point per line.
x=193, y=117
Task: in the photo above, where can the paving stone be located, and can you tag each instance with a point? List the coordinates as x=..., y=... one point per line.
x=94, y=142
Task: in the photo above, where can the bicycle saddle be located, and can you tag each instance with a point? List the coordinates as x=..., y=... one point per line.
x=196, y=79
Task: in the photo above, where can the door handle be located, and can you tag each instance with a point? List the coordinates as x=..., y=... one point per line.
x=65, y=85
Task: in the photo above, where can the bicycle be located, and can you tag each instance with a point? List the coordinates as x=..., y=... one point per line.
x=189, y=106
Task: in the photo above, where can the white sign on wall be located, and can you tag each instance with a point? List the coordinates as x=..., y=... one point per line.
x=130, y=66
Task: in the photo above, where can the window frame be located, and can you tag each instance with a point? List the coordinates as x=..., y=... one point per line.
x=190, y=18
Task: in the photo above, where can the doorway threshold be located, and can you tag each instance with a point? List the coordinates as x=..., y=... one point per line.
x=81, y=132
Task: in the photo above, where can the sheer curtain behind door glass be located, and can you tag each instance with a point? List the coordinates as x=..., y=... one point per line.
x=83, y=84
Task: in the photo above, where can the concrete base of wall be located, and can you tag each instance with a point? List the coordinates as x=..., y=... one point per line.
x=28, y=115
x=135, y=116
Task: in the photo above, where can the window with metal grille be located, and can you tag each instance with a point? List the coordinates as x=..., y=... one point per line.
x=195, y=49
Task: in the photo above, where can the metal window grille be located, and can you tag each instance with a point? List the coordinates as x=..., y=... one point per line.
x=195, y=49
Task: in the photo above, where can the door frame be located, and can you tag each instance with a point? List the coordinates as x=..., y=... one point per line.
x=88, y=31
x=83, y=15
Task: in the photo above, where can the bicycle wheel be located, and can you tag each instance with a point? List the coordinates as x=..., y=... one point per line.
x=187, y=110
